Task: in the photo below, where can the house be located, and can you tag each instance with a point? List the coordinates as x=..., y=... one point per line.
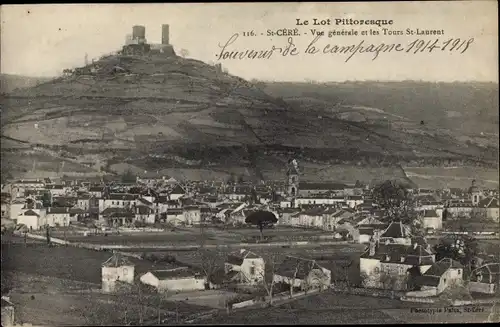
x=485, y=279
x=368, y=228
x=22, y=185
x=16, y=207
x=459, y=208
x=177, y=192
x=302, y=273
x=151, y=178
x=246, y=266
x=438, y=277
x=57, y=190
x=117, y=216
x=30, y=218
x=312, y=218
x=431, y=219
x=306, y=188
x=192, y=215
x=83, y=202
x=354, y=200
x=397, y=233
x=77, y=214
x=145, y=214
x=116, y=269
x=7, y=312
x=285, y=216
x=174, y=216
x=97, y=191
x=387, y=265
x=57, y=216
x=320, y=199
x=117, y=200
x=179, y=279
x=238, y=192
x=206, y=214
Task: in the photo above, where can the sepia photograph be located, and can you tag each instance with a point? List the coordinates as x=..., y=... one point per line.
x=250, y=163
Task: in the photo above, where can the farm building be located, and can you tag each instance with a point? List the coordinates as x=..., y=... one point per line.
x=387, y=266
x=176, y=280
x=246, y=267
x=116, y=269
x=438, y=277
x=302, y=273
x=485, y=279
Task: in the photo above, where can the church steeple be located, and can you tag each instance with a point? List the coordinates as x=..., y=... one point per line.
x=475, y=193
x=292, y=175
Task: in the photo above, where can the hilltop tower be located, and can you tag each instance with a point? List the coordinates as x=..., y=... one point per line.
x=165, y=34
x=292, y=176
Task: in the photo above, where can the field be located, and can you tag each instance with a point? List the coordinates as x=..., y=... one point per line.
x=453, y=177
x=336, y=308
x=191, y=236
x=69, y=263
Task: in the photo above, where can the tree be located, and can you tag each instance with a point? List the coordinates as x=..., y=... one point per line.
x=459, y=247
x=261, y=219
x=46, y=199
x=184, y=53
x=128, y=177
x=268, y=280
x=396, y=201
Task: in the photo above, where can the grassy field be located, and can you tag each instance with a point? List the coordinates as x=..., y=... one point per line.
x=61, y=262
x=336, y=308
x=187, y=236
x=458, y=177
x=325, y=308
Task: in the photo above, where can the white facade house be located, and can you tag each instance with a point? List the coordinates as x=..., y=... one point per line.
x=250, y=268
x=30, y=218
x=192, y=215
x=432, y=219
x=57, y=217
x=386, y=266
x=117, y=200
x=177, y=192
x=116, y=269
x=438, y=277
x=179, y=279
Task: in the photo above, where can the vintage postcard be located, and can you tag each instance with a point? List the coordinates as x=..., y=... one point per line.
x=250, y=163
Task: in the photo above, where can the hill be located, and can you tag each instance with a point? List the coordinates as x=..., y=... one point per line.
x=9, y=82
x=158, y=111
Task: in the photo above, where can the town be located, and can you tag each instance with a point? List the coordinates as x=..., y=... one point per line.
x=233, y=244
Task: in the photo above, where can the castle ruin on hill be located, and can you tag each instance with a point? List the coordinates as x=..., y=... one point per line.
x=136, y=43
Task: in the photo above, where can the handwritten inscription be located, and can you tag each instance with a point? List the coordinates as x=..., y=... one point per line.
x=229, y=51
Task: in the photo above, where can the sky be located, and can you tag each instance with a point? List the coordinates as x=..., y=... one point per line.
x=42, y=40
